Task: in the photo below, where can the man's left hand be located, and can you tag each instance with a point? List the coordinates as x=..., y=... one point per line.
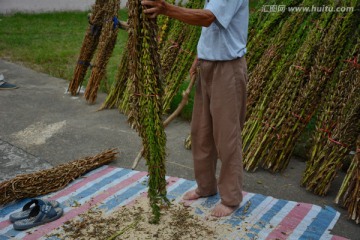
x=154, y=8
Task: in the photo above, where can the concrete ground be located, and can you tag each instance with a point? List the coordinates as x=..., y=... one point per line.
x=42, y=126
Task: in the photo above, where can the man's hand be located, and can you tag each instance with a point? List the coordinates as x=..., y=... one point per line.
x=154, y=8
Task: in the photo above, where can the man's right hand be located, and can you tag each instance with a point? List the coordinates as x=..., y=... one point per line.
x=154, y=8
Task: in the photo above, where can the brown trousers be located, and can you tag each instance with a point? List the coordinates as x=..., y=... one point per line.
x=218, y=118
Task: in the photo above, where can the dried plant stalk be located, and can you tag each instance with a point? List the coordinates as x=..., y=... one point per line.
x=89, y=46
x=349, y=193
x=116, y=93
x=146, y=101
x=331, y=144
x=53, y=179
x=106, y=46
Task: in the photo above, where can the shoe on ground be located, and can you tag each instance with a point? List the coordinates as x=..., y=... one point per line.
x=7, y=86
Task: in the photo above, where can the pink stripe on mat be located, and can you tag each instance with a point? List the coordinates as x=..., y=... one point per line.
x=338, y=238
x=82, y=183
x=44, y=229
x=291, y=221
x=70, y=189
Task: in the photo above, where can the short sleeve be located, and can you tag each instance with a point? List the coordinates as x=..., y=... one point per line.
x=224, y=10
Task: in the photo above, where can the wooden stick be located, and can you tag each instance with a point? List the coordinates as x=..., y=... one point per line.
x=182, y=104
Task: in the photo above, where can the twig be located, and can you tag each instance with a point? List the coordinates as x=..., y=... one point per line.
x=122, y=231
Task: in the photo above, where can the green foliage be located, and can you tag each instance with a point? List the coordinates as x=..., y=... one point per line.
x=50, y=42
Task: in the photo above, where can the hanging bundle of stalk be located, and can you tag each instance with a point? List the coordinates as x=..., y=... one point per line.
x=305, y=104
x=117, y=90
x=348, y=196
x=180, y=70
x=106, y=46
x=341, y=113
x=165, y=25
x=89, y=45
x=280, y=106
x=146, y=101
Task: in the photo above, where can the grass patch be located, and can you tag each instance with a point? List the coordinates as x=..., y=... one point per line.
x=51, y=42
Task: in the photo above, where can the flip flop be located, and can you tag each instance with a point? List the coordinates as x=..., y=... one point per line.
x=40, y=214
x=28, y=207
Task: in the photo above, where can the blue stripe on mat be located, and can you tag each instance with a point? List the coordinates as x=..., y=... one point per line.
x=240, y=214
x=265, y=219
x=121, y=196
x=320, y=224
x=181, y=189
x=92, y=189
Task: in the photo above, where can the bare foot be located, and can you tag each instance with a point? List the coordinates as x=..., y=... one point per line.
x=191, y=195
x=221, y=210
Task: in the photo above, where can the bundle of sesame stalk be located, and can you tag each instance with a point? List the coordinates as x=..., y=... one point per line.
x=117, y=90
x=273, y=65
x=275, y=102
x=334, y=44
x=106, y=46
x=89, y=45
x=177, y=44
x=146, y=101
x=263, y=28
x=53, y=179
x=349, y=192
x=337, y=128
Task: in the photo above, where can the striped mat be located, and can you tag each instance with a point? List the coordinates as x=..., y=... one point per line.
x=109, y=188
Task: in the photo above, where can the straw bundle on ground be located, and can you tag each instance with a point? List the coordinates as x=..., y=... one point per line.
x=146, y=100
x=51, y=180
x=349, y=193
x=106, y=46
x=89, y=45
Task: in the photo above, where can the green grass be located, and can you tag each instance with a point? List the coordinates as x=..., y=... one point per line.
x=51, y=42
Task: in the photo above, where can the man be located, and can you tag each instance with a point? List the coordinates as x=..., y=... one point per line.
x=220, y=99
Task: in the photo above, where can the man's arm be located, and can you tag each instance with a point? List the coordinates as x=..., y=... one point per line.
x=198, y=17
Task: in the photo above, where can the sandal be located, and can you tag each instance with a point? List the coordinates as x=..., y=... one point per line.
x=40, y=214
x=28, y=207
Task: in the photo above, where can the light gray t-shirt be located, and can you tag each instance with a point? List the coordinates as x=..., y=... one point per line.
x=226, y=38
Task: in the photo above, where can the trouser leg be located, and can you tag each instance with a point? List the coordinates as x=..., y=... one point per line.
x=228, y=109
x=219, y=116
x=202, y=141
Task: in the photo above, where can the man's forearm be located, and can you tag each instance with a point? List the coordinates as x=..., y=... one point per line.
x=198, y=17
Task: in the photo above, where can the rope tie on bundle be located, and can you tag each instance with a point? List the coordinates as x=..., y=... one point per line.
x=85, y=63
